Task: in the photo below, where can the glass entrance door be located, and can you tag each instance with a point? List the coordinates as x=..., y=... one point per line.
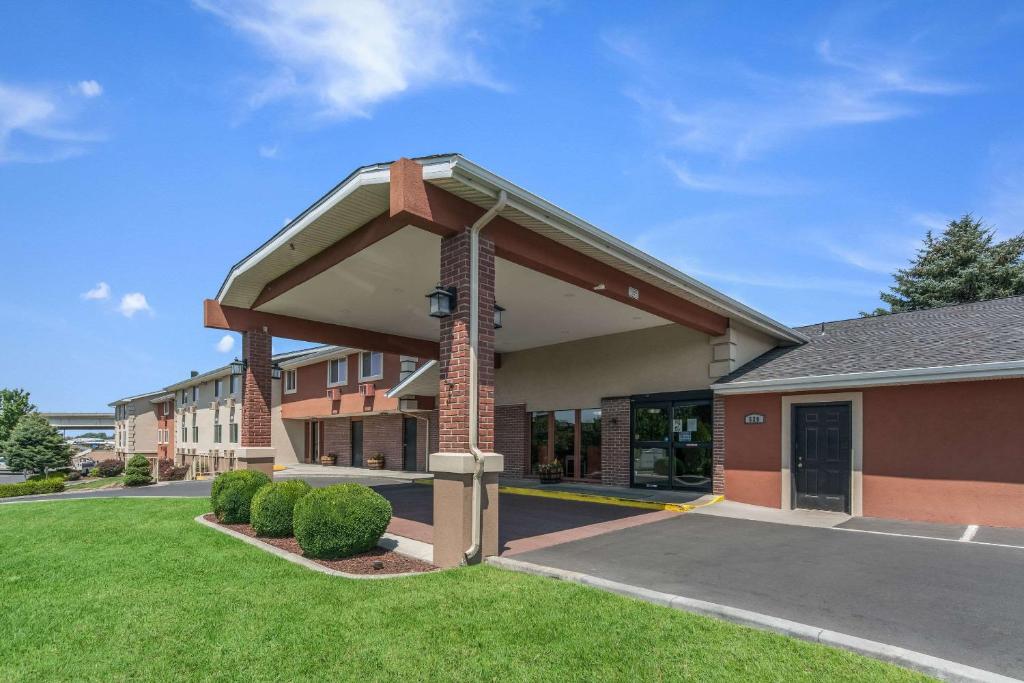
x=672, y=444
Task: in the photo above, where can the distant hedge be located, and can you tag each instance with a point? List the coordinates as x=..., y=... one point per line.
x=31, y=488
x=109, y=468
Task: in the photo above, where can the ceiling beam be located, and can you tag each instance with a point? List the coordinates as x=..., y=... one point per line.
x=218, y=316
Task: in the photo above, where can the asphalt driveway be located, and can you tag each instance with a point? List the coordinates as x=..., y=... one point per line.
x=959, y=601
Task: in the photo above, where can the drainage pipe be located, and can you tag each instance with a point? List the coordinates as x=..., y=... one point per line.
x=474, y=375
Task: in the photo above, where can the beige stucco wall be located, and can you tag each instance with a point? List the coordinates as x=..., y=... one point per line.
x=579, y=374
x=286, y=436
x=204, y=414
x=136, y=432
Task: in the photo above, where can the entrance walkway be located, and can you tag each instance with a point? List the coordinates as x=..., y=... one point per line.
x=303, y=470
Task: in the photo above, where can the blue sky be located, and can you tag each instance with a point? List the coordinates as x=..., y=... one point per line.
x=790, y=154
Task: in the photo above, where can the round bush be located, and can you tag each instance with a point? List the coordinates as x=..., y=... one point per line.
x=231, y=494
x=340, y=520
x=273, y=505
x=136, y=473
x=109, y=468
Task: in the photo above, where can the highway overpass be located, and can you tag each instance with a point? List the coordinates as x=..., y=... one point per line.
x=81, y=421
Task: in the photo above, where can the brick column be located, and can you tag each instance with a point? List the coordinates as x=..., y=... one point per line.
x=255, y=443
x=718, y=446
x=615, y=426
x=453, y=464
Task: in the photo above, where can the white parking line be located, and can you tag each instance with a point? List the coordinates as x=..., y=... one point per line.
x=926, y=538
x=969, y=533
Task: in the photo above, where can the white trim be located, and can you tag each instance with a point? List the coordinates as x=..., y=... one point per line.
x=399, y=388
x=284, y=381
x=856, y=401
x=342, y=373
x=945, y=373
x=371, y=378
x=317, y=357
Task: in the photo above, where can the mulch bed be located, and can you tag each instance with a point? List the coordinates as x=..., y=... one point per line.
x=391, y=562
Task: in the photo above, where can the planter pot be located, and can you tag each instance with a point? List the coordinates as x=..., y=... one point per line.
x=328, y=459
x=550, y=477
x=375, y=463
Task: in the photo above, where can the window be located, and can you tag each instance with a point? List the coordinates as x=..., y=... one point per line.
x=539, y=441
x=371, y=365
x=291, y=382
x=337, y=372
x=216, y=425
x=184, y=431
x=233, y=383
x=233, y=427
x=195, y=393
x=572, y=437
x=218, y=385
x=195, y=429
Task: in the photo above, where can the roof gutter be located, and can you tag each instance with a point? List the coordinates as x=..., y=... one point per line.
x=946, y=373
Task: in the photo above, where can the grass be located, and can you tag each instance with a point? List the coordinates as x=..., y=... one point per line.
x=133, y=589
x=102, y=483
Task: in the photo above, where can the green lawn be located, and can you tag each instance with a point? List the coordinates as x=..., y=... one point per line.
x=134, y=589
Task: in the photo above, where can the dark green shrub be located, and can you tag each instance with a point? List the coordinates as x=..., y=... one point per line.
x=273, y=505
x=74, y=475
x=109, y=468
x=231, y=494
x=31, y=488
x=137, y=472
x=340, y=520
x=170, y=472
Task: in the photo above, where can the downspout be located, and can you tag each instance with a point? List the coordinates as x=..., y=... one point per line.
x=474, y=375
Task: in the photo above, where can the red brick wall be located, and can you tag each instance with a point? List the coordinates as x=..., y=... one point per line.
x=940, y=452
x=511, y=437
x=615, y=426
x=454, y=356
x=256, y=346
x=381, y=434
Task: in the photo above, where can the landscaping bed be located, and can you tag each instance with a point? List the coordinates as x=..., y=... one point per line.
x=391, y=562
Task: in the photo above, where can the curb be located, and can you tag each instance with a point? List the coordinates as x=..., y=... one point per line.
x=933, y=666
x=310, y=564
x=596, y=498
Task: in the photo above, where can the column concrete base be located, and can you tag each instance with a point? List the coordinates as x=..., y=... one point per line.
x=261, y=459
x=453, y=507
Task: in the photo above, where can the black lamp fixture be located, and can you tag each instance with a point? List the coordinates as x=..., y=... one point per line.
x=442, y=301
x=498, y=310
x=237, y=367
x=275, y=371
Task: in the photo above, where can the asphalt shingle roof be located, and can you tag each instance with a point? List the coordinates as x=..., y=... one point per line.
x=983, y=332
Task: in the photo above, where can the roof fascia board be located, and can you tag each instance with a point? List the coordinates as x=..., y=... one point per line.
x=949, y=373
x=318, y=357
x=542, y=210
x=399, y=388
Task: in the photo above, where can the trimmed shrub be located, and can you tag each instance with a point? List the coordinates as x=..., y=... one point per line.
x=231, y=494
x=74, y=475
x=31, y=488
x=109, y=468
x=273, y=505
x=340, y=520
x=52, y=475
x=136, y=473
x=169, y=472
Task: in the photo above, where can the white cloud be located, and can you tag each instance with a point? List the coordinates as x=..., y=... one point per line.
x=89, y=88
x=133, y=303
x=348, y=57
x=33, y=126
x=99, y=292
x=737, y=184
x=268, y=151
x=226, y=343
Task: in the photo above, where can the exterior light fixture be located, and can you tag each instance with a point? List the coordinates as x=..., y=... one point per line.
x=237, y=367
x=442, y=301
x=275, y=372
x=498, y=310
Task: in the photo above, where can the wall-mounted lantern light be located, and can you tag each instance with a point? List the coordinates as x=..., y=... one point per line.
x=498, y=310
x=237, y=367
x=275, y=372
x=442, y=301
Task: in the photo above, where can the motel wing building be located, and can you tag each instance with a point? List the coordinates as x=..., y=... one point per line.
x=546, y=339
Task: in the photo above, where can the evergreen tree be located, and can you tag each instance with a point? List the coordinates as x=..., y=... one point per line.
x=35, y=446
x=14, y=404
x=962, y=265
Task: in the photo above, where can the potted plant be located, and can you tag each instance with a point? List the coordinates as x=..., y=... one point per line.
x=375, y=461
x=550, y=472
x=328, y=458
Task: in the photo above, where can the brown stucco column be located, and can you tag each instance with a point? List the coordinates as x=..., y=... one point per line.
x=453, y=464
x=256, y=451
